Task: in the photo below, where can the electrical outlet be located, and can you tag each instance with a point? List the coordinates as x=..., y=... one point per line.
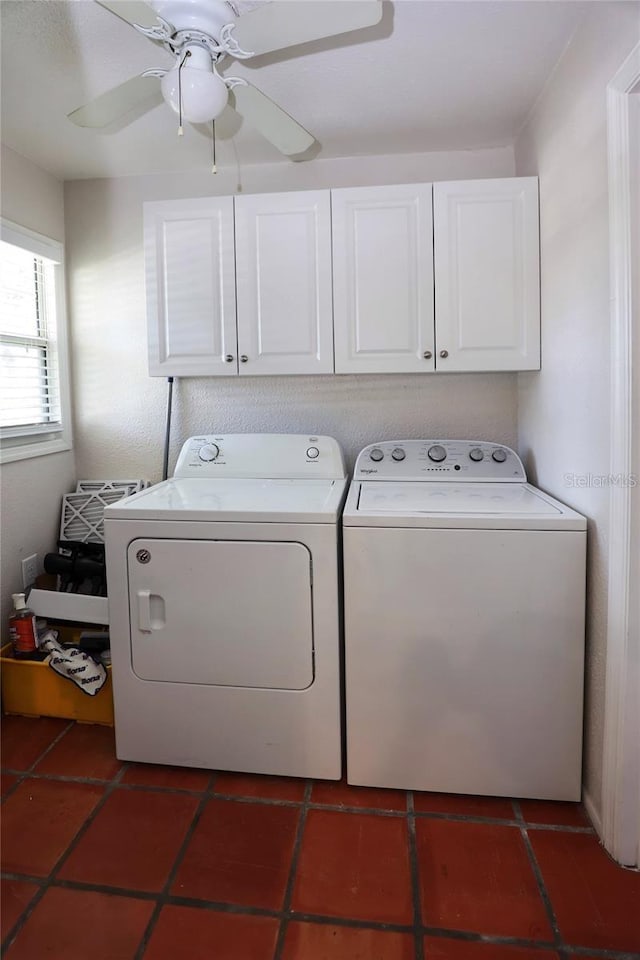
x=29, y=570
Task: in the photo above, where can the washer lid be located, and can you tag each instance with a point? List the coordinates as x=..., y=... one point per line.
x=488, y=505
x=185, y=498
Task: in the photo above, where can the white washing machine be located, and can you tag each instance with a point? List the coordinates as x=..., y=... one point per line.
x=224, y=609
x=464, y=624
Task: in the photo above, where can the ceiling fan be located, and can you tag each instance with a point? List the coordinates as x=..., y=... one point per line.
x=199, y=34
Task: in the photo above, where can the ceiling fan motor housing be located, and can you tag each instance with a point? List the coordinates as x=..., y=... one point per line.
x=209, y=17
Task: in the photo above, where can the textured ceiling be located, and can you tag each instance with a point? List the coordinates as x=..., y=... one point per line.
x=430, y=76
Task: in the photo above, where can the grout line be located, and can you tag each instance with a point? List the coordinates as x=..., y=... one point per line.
x=178, y=791
x=559, y=828
x=163, y=898
x=211, y=785
x=210, y=791
x=466, y=818
x=537, y=872
x=571, y=951
x=20, y=777
x=105, y=781
x=23, y=774
x=104, y=888
x=22, y=919
x=295, y=857
x=468, y=936
x=263, y=801
x=62, y=858
x=60, y=862
x=353, y=924
x=221, y=906
x=53, y=743
x=415, y=877
x=23, y=877
x=343, y=808
x=322, y=919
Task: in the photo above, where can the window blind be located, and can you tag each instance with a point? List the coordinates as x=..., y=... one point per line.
x=29, y=374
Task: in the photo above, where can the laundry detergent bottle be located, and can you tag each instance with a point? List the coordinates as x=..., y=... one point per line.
x=23, y=632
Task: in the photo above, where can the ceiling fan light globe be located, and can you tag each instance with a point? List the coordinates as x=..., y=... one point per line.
x=204, y=94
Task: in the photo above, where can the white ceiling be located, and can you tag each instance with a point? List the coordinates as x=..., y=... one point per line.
x=431, y=76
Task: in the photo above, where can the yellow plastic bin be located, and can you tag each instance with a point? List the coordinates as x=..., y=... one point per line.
x=31, y=688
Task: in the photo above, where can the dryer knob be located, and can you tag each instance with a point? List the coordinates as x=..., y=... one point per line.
x=499, y=455
x=209, y=452
x=476, y=455
x=398, y=454
x=313, y=453
x=437, y=453
x=376, y=455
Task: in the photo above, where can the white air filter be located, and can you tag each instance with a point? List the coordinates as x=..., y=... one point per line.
x=83, y=515
x=100, y=486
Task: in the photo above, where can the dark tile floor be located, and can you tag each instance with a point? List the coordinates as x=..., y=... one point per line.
x=104, y=860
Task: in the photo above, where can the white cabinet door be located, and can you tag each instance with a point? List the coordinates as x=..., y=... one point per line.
x=283, y=269
x=487, y=283
x=383, y=279
x=191, y=306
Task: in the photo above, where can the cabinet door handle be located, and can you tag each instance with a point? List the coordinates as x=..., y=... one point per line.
x=228, y=358
x=244, y=358
x=427, y=355
x=444, y=354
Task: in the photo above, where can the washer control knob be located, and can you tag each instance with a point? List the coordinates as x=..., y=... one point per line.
x=437, y=453
x=476, y=455
x=376, y=455
x=313, y=453
x=209, y=452
x=499, y=455
x=398, y=453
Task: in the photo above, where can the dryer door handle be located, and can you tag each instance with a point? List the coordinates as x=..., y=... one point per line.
x=151, y=614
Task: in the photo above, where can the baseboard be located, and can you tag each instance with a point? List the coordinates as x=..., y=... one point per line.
x=592, y=811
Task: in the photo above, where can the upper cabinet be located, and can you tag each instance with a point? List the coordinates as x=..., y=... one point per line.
x=487, y=284
x=190, y=281
x=406, y=279
x=283, y=276
x=383, y=279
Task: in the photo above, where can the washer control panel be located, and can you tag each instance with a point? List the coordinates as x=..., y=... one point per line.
x=260, y=455
x=439, y=460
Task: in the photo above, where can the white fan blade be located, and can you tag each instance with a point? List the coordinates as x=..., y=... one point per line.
x=270, y=120
x=284, y=24
x=115, y=102
x=131, y=11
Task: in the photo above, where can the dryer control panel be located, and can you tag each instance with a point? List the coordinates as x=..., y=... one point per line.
x=473, y=460
x=261, y=456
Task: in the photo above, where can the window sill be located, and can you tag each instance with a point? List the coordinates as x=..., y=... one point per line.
x=39, y=448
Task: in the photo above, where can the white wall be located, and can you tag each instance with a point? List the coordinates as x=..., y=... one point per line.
x=564, y=410
x=120, y=410
x=30, y=490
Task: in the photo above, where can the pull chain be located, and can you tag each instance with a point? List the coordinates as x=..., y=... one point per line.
x=180, y=130
x=214, y=168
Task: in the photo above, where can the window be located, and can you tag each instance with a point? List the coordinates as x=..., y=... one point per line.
x=34, y=392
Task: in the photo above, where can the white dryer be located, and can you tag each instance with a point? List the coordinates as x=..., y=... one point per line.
x=224, y=610
x=464, y=624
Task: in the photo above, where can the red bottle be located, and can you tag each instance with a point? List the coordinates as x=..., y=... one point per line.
x=22, y=630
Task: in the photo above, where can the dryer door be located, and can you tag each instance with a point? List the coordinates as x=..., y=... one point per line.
x=223, y=612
